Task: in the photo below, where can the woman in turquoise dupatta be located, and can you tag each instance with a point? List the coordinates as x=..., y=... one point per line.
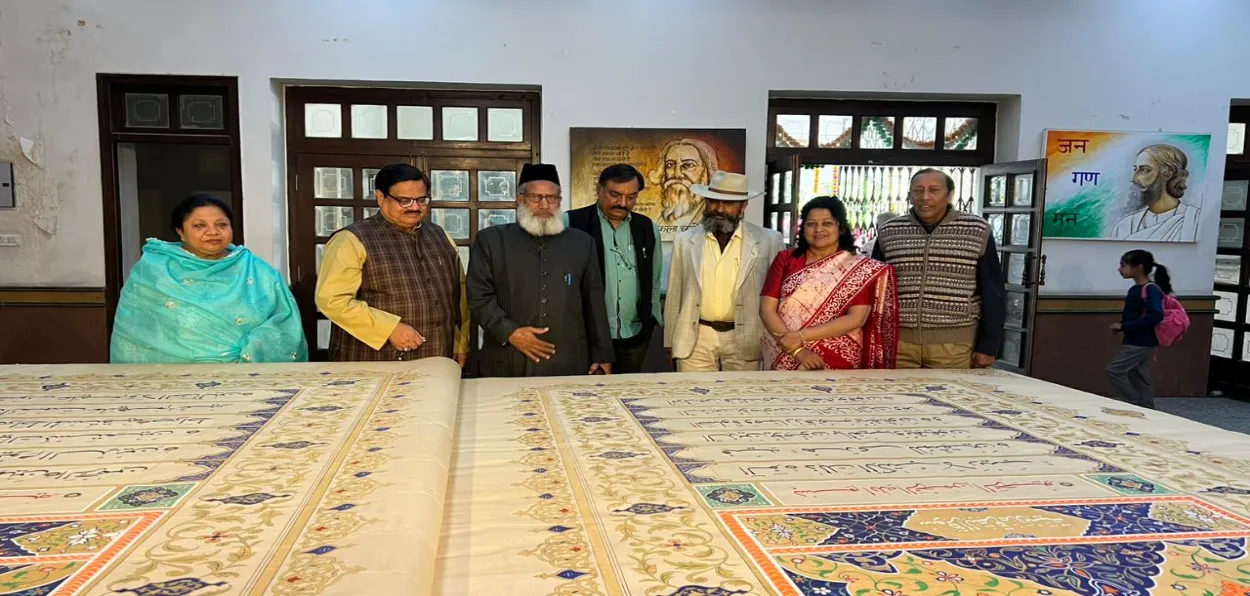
x=205, y=299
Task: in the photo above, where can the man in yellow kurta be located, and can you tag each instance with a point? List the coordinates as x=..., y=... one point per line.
x=711, y=312
x=393, y=284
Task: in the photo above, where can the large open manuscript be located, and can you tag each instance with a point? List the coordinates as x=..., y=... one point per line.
x=401, y=479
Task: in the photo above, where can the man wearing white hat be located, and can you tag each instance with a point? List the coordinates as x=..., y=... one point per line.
x=711, y=313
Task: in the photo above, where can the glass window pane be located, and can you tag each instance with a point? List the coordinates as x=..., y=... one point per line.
x=1235, y=193
x=1013, y=348
x=1236, y=138
x=776, y=189
x=496, y=185
x=455, y=221
x=1232, y=233
x=330, y=219
x=1015, y=268
x=494, y=217
x=414, y=123
x=1245, y=348
x=960, y=134
x=919, y=133
x=371, y=211
x=463, y=251
x=835, y=132
x=1015, y=308
x=1228, y=269
x=147, y=110
x=1222, y=342
x=323, y=120
x=787, y=226
x=506, y=125
x=996, y=226
x=202, y=112
x=1023, y=196
x=877, y=133
x=332, y=183
x=321, y=248
x=459, y=124
x=367, y=177
x=369, y=122
x=793, y=130
x=1226, y=306
x=787, y=186
x=323, y=334
x=450, y=185
x=1020, y=229
x=998, y=191
x=772, y=221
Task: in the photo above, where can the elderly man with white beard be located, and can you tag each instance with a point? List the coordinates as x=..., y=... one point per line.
x=1160, y=178
x=536, y=290
x=683, y=163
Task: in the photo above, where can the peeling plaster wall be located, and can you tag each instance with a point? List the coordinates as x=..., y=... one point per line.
x=1082, y=64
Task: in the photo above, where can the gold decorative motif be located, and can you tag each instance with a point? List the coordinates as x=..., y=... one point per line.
x=219, y=531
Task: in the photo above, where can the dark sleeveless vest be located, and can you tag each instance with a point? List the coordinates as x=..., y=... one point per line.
x=586, y=219
x=415, y=275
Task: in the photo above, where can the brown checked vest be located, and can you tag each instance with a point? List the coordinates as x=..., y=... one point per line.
x=937, y=276
x=415, y=275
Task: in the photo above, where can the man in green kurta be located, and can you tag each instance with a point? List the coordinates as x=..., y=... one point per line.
x=631, y=262
x=535, y=288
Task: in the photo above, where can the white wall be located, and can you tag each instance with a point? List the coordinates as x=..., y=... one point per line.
x=1077, y=64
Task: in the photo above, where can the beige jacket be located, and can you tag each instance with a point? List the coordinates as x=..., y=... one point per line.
x=685, y=290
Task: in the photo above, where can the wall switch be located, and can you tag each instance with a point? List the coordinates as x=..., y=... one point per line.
x=7, y=200
x=10, y=240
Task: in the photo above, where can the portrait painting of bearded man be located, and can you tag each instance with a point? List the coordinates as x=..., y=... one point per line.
x=672, y=160
x=683, y=163
x=1160, y=179
x=1124, y=186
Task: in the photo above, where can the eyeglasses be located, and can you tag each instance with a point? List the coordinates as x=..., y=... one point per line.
x=625, y=257
x=536, y=200
x=407, y=202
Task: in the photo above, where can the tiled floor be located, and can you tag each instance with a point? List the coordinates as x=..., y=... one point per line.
x=1229, y=414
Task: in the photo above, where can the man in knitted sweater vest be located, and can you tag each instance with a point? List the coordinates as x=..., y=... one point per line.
x=951, y=294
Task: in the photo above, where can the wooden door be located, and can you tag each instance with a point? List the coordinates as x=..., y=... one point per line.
x=1012, y=201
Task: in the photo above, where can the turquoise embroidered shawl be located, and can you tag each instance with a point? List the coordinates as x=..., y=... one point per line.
x=177, y=307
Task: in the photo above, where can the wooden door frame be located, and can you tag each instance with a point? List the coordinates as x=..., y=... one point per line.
x=1035, y=263
x=110, y=104
x=985, y=113
x=793, y=164
x=416, y=152
x=295, y=96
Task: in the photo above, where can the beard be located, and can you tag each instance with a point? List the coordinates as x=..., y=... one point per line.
x=677, y=200
x=720, y=224
x=540, y=226
x=1147, y=195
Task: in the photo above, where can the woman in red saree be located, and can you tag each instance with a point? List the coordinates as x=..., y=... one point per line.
x=824, y=306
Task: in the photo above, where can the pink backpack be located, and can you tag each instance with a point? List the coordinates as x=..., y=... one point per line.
x=1175, y=320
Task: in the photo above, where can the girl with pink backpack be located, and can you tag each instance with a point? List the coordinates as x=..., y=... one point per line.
x=1152, y=317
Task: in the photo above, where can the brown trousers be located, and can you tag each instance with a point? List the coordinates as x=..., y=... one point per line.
x=953, y=356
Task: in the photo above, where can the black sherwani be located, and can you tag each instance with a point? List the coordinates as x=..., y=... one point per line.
x=518, y=280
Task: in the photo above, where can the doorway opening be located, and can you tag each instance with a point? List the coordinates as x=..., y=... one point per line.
x=865, y=152
x=162, y=138
x=1230, y=339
